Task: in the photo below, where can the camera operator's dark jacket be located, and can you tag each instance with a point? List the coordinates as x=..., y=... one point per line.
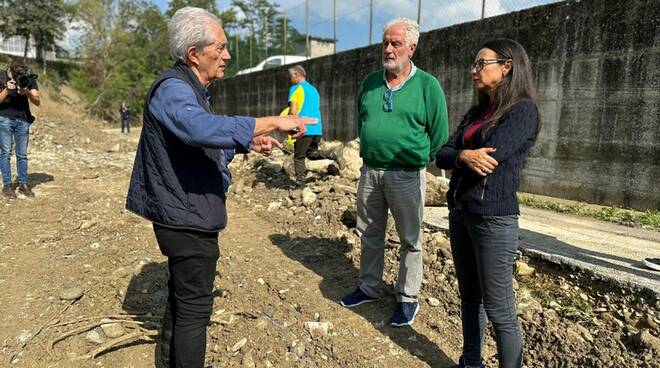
x=494, y=194
x=16, y=106
x=173, y=183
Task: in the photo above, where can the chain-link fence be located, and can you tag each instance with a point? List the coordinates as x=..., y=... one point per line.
x=319, y=27
x=357, y=23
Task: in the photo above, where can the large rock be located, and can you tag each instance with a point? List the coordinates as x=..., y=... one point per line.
x=318, y=166
x=287, y=166
x=73, y=293
x=112, y=330
x=349, y=160
x=268, y=167
x=94, y=337
x=436, y=190
x=523, y=269
x=308, y=197
x=318, y=329
x=440, y=243
x=330, y=148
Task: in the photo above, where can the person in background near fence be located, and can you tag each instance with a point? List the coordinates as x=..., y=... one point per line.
x=15, y=120
x=486, y=153
x=401, y=123
x=180, y=176
x=304, y=100
x=126, y=116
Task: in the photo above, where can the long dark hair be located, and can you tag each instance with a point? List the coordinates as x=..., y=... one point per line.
x=515, y=85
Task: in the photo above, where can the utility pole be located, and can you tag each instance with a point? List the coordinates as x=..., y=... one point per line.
x=250, y=41
x=307, y=28
x=284, y=29
x=483, y=8
x=334, y=26
x=419, y=11
x=266, y=34
x=371, y=18
x=238, y=54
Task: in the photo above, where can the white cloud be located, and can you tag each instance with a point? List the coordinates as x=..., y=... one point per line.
x=434, y=14
x=353, y=15
x=458, y=11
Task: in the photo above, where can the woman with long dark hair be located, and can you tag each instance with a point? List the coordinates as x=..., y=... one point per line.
x=486, y=153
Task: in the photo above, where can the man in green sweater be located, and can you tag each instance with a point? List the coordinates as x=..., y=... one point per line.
x=401, y=123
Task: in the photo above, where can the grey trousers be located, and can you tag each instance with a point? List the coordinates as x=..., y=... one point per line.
x=402, y=192
x=484, y=248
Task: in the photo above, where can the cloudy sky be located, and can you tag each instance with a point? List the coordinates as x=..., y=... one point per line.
x=353, y=15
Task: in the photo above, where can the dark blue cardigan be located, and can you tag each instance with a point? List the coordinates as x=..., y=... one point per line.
x=494, y=194
x=173, y=183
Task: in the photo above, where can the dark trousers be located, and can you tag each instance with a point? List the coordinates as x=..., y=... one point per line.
x=305, y=147
x=127, y=124
x=191, y=260
x=484, y=248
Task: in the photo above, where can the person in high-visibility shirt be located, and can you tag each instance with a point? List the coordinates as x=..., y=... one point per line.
x=304, y=100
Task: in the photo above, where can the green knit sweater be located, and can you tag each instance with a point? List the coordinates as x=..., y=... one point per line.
x=407, y=137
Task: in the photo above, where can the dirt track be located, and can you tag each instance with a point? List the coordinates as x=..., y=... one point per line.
x=76, y=233
x=278, y=269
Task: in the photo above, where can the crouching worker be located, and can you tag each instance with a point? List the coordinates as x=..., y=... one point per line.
x=180, y=176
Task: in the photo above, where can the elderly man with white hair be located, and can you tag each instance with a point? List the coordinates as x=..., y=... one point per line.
x=180, y=176
x=401, y=123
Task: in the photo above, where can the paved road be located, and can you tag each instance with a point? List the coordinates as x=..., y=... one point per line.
x=608, y=250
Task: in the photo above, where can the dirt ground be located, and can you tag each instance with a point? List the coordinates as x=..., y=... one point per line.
x=284, y=261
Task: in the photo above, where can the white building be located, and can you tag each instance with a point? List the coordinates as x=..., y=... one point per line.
x=15, y=46
x=317, y=47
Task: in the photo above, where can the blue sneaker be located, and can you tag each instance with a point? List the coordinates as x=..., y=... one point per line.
x=404, y=314
x=356, y=298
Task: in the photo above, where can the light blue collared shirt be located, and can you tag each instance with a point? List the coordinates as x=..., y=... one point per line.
x=175, y=106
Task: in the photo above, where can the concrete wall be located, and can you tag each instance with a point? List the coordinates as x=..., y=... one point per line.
x=597, y=68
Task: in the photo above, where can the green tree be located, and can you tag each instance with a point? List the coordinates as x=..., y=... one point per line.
x=261, y=34
x=228, y=17
x=259, y=23
x=123, y=46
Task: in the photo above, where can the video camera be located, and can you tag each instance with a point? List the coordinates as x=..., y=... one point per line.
x=23, y=80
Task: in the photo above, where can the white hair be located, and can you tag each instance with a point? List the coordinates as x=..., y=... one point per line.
x=412, y=29
x=298, y=69
x=189, y=27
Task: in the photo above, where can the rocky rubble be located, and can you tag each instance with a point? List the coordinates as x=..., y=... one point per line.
x=279, y=276
x=568, y=318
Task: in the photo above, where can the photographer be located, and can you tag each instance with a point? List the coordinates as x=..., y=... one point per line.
x=18, y=90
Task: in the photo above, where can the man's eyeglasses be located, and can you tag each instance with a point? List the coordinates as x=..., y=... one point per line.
x=479, y=65
x=389, y=103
